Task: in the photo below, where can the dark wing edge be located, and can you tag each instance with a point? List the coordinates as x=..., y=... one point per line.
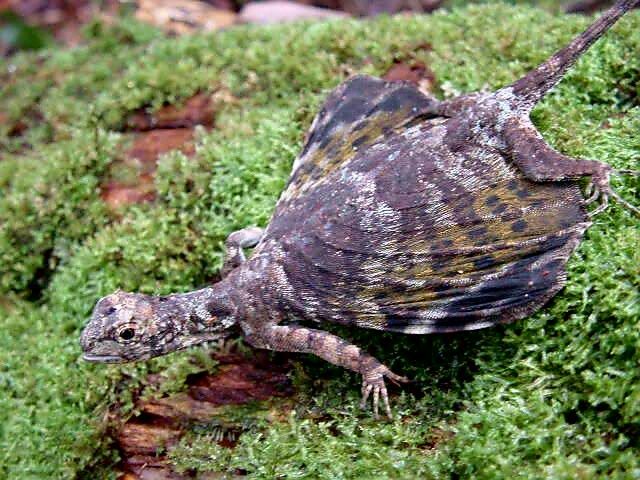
x=491, y=296
x=522, y=288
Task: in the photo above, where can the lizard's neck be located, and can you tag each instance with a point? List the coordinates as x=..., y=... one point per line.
x=254, y=289
x=202, y=314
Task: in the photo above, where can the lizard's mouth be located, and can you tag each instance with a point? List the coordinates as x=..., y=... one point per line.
x=103, y=358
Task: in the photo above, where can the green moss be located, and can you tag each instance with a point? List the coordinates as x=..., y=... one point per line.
x=343, y=447
x=46, y=194
x=555, y=396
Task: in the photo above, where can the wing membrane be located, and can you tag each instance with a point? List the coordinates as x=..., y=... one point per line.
x=357, y=114
x=385, y=225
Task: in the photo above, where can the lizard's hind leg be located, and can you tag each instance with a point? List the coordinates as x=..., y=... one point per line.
x=541, y=163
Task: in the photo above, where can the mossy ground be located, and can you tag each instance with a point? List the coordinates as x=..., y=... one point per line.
x=553, y=396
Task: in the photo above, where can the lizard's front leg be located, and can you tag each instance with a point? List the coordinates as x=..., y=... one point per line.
x=334, y=350
x=235, y=242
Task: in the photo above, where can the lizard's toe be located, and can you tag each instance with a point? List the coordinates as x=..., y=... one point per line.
x=599, y=189
x=374, y=382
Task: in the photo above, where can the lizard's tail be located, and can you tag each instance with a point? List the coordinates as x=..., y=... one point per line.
x=530, y=89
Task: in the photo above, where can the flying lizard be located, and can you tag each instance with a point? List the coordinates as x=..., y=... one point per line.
x=402, y=213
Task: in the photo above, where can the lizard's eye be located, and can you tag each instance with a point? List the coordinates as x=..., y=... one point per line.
x=126, y=333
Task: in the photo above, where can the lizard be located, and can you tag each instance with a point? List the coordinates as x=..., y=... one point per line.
x=402, y=213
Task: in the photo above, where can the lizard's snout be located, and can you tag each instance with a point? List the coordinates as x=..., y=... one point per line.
x=93, y=351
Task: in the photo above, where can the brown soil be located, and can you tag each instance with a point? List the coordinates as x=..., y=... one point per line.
x=414, y=72
x=156, y=133
x=197, y=110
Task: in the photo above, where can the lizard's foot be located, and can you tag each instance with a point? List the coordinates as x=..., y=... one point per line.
x=373, y=381
x=600, y=190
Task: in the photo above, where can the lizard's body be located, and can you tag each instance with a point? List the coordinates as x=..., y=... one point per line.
x=402, y=213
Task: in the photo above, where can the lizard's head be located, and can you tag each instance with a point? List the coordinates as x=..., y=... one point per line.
x=126, y=327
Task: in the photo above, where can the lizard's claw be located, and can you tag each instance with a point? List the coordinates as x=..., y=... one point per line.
x=373, y=381
x=600, y=189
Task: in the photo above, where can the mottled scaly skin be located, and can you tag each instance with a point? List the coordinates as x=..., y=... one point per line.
x=402, y=213
x=430, y=228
